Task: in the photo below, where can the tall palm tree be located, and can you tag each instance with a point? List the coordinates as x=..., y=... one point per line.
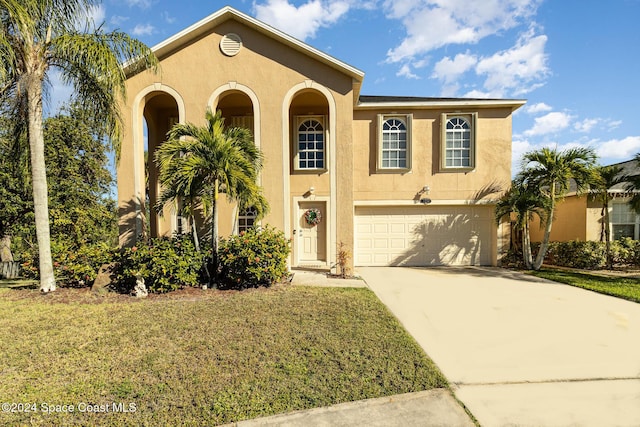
x=633, y=185
x=552, y=172
x=605, y=178
x=525, y=204
x=196, y=162
x=38, y=36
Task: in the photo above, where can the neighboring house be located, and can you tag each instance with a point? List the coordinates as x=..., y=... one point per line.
x=398, y=180
x=580, y=217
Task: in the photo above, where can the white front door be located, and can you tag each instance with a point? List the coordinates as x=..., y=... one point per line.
x=311, y=238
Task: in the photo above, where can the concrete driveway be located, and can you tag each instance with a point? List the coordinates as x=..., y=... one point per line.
x=520, y=350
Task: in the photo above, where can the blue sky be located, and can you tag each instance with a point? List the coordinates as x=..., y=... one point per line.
x=576, y=62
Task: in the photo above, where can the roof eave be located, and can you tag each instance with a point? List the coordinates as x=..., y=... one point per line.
x=514, y=104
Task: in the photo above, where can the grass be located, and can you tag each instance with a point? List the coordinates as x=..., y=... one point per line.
x=621, y=287
x=214, y=358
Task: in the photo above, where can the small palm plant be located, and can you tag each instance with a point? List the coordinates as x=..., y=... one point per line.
x=196, y=163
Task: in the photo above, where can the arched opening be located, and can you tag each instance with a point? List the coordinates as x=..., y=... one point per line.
x=160, y=114
x=309, y=118
x=238, y=111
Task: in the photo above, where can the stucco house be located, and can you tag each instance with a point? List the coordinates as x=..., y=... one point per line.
x=580, y=217
x=398, y=180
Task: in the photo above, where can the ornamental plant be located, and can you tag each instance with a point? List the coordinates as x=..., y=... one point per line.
x=256, y=257
x=165, y=264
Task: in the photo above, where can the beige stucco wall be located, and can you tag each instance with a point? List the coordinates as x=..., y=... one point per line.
x=569, y=222
x=493, y=158
x=275, y=73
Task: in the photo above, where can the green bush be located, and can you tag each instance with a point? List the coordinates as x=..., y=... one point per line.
x=165, y=264
x=73, y=267
x=257, y=257
x=577, y=254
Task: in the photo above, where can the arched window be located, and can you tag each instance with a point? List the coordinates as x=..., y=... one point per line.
x=310, y=144
x=458, y=146
x=246, y=219
x=394, y=144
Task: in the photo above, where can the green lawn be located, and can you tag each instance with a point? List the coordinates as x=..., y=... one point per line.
x=621, y=287
x=206, y=359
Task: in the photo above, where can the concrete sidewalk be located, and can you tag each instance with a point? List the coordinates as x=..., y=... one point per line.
x=520, y=350
x=426, y=408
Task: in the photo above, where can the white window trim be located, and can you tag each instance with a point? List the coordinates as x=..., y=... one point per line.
x=472, y=119
x=296, y=161
x=635, y=223
x=407, y=119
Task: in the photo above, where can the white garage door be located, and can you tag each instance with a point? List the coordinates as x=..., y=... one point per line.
x=423, y=235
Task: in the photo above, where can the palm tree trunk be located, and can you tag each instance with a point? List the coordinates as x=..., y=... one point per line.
x=214, y=233
x=607, y=232
x=526, y=246
x=544, y=245
x=194, y=232
x=39, y=179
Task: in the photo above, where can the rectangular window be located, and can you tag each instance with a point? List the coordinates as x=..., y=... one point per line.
x=458, y=139
x=624, y=221
x=310, y=143
x=394, y=142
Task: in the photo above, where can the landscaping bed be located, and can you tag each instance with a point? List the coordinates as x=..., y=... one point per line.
x=195, y=357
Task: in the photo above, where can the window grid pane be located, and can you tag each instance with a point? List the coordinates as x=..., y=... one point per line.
x=311, y=145
x=246, y=219
x=624, y=221
x=394, y=144
x=458, y=143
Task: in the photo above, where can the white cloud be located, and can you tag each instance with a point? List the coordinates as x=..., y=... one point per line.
x=586, y=125
x=304, y=21
x=449, y=70
x=143, y=30
x=117, y=20
x=91, y=18
x=618, y=149
x=431, y=24
x=168, y=18
x=550, y=123
x=142, y=4
x=517, y=70
x=540, y=107
x=405, y=71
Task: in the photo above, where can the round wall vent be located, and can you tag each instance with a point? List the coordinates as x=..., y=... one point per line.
x=230, y=44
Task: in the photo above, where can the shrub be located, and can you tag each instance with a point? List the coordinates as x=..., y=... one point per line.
x=577, y=254
x=257, y=257
x=165, y=264
x=73, y=267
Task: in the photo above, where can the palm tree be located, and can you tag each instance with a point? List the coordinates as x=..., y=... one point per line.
x=196, y=162
x=37, y=36
x=552, y=172
x=606, y=177
x=524, y=204
x=633, y=185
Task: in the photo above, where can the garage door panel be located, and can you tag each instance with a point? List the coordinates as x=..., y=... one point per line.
x=422, y=236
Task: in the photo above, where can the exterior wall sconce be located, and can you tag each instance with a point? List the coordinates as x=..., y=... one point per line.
x=423, y=193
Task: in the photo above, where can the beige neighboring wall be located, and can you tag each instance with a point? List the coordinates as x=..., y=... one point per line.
x=576, y=218
x=569, y=222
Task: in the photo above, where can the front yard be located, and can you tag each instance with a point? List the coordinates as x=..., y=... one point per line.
x=200, y=357
x=622, y=287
